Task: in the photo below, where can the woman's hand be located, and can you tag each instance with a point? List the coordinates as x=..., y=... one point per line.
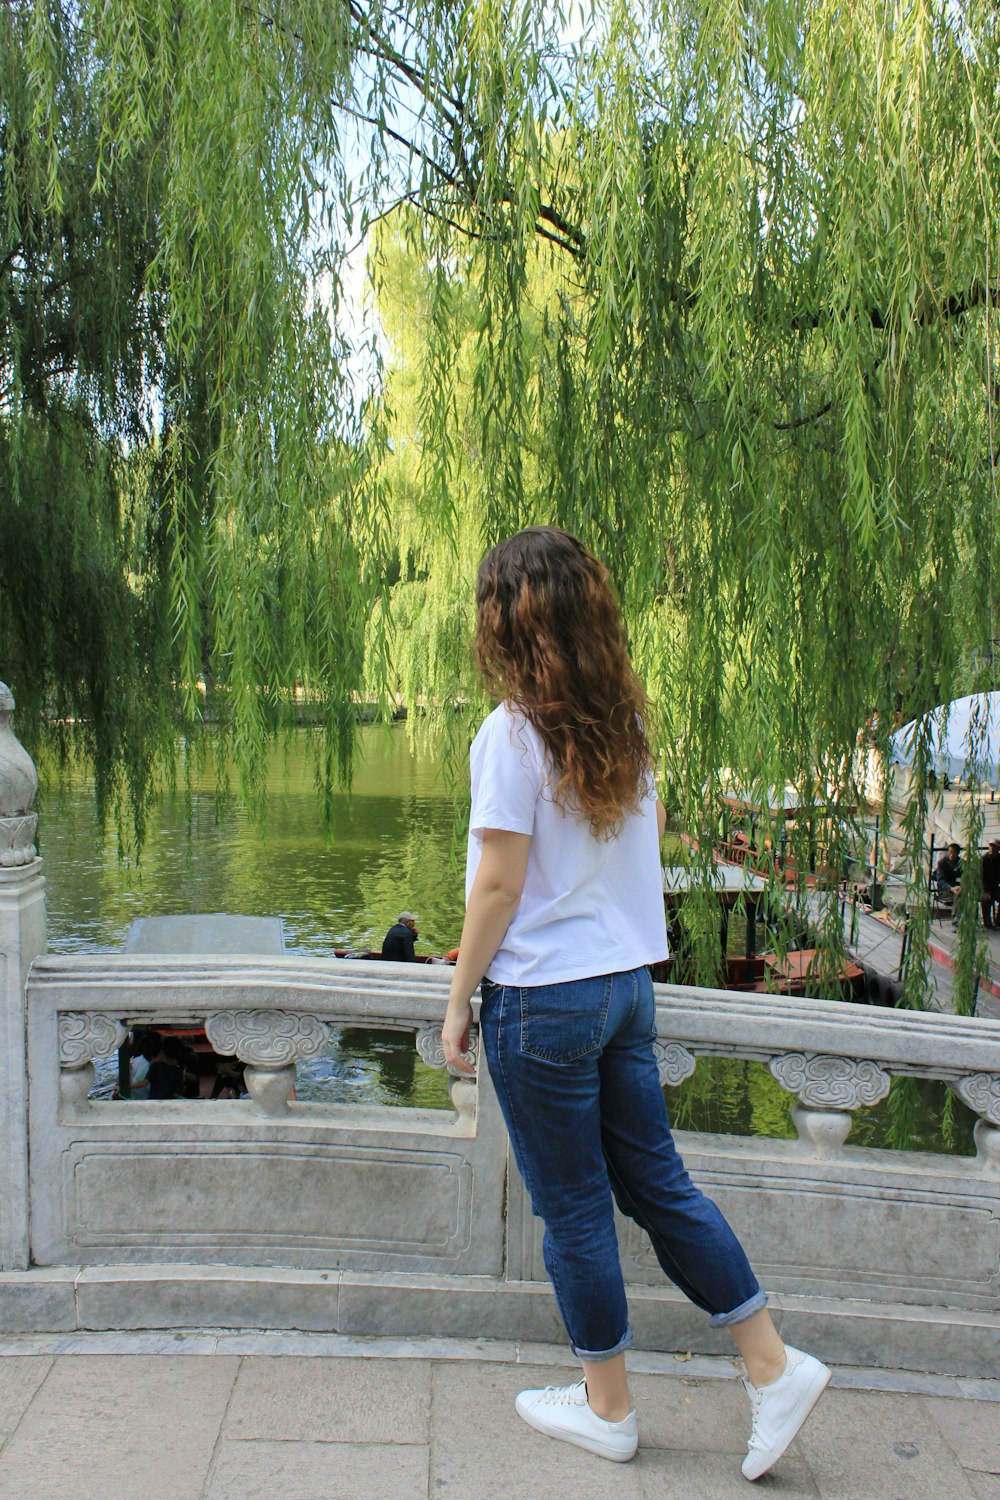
x=455, y=1035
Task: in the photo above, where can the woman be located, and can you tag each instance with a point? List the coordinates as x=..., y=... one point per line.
x=564, y=913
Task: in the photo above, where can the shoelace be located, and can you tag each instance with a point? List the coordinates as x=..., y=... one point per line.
x=755, y=1399
x=561, y=1395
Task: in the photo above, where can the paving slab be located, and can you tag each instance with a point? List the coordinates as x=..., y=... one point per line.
x=318, y=1471
x=696, y=1416
x=129, y=1342
x=976, y=1390
x=481, y=1450
x=984, y=1486
x=876, y=1446
x=19, y=1380
x=312, y=1399
x=371, y=1347
x=971, y=1431
x=676, y=1475
x=119, y=1424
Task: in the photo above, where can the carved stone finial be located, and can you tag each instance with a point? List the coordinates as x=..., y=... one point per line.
x=18, y=785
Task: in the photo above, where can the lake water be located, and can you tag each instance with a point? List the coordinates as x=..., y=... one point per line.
x=390, y=846
x=395, y=843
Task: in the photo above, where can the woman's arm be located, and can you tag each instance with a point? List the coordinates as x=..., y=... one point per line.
x=492, y=903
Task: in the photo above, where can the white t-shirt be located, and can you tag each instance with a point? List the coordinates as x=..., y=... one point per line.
x=589, y=905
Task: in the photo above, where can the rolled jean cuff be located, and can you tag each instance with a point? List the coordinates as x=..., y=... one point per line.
x=741, y=1313
x=625, y=1342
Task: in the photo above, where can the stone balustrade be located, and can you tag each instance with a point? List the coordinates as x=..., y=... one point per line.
x=885, y=1256
x=278, y=1213
x=269, y=1037
x=835, y=1057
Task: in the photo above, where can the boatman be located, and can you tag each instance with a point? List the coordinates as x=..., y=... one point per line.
x=398, y=944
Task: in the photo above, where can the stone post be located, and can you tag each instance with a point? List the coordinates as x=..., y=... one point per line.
x=22, y=939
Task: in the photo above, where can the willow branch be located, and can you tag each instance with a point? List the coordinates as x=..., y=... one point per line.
x=953, y=306
x=813, y=416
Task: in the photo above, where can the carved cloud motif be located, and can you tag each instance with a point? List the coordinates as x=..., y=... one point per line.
x=431, y=1048
x=674, y=1063
x=830, y=1082
x=84, y=1035
x=981, y=1092
x=266, y=1038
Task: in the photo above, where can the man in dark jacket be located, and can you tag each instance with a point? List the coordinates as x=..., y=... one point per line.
x=398, y=944
x=949, y=877
x=949, y=869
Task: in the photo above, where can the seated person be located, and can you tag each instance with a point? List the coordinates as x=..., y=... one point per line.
x=166, y=1075
x=991, y=883
x=869, y=889
x=229, y=1080
x=398, y=942
x=144, y=1046
x=949, y=869
x=739, y=847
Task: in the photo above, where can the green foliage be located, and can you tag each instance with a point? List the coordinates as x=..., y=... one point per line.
x=186, y=524
x=714, y=287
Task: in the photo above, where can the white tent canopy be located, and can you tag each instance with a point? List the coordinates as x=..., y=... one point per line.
x=967, y=728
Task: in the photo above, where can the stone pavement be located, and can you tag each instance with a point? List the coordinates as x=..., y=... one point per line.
x=320, y=1417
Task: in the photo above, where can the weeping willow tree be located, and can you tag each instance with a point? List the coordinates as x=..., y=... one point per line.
x=712, y=285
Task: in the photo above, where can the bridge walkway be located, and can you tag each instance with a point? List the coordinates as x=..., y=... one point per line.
x=229, y=1416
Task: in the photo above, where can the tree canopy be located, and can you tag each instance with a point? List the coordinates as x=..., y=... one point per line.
x=713, y=285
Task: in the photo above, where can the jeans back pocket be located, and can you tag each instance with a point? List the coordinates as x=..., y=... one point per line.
x=561, y=1022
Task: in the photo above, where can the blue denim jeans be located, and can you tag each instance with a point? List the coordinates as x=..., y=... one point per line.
x=574, y=1071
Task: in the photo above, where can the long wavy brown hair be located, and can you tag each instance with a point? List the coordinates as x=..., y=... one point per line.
x=549, y=639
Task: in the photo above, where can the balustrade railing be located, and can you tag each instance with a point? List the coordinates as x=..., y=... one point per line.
x=834, y=1057
x=282, y=1213
x=269, y=1036
x=407, y=1192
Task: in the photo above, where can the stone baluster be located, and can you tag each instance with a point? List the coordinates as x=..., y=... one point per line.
x=269, y=1043
x=84, y=1035
x=981, y=1092
x=461, y=1086
x=22, y=939
x=828, y=1089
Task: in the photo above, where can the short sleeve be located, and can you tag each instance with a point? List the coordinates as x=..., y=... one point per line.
x=506, y=775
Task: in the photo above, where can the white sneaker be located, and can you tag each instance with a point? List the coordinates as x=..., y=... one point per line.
x=779, y=1409
x=563, y=1411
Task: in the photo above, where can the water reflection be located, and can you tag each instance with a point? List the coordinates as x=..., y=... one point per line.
x=373, y=1067
x=390, y=846
x=734, y=1096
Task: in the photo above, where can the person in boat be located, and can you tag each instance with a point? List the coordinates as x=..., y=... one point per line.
x=229, y=1080
x=564, y=915
x=398, y=941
